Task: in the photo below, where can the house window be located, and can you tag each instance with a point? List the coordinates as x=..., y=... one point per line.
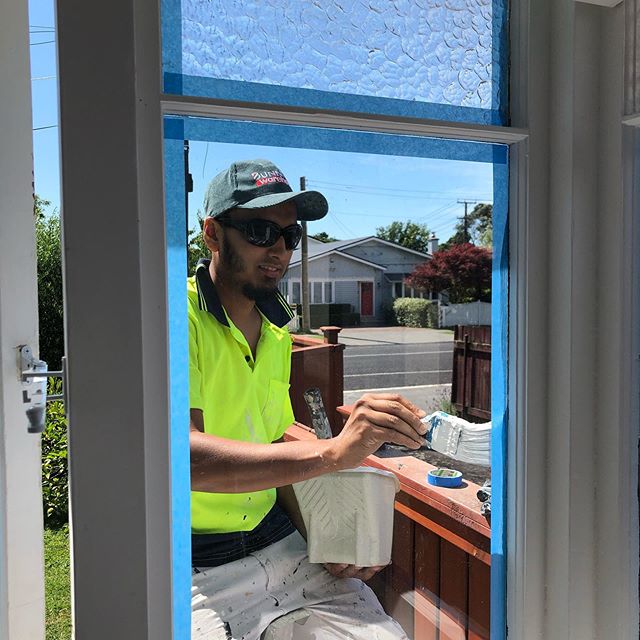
x=328, y=292
x=434, y=367
x=296, y=296
x=431, y=59
x=317, y=293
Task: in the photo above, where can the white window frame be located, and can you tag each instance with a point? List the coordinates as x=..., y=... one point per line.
x=322, y=281
x=556, y=521
x=413, y=292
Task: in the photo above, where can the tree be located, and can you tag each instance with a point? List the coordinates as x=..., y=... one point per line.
x=323, y=236
x=411, y=235
x=196, y=248
x=479, y=229
x=463, y=271
x=50, y=303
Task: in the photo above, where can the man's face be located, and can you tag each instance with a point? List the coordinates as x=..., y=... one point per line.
x=253, y=270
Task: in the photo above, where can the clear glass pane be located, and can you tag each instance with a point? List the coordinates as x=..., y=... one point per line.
x=445, y=355
x=433, y=58
x=296, y=295
x=317, y=292
x=328, y=297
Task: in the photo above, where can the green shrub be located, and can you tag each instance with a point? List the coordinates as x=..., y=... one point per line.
x=416, y=312
x=55, y=477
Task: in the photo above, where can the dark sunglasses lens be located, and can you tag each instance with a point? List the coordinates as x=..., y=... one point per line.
x=263, y=233
x=292, y=236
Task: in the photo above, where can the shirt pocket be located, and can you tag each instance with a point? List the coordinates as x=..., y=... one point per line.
x=273, y=411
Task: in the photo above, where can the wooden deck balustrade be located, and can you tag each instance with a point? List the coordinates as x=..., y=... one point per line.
x=318, y=363
x=438, y=584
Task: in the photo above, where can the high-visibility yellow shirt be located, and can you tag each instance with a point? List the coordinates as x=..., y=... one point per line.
x=240, y=398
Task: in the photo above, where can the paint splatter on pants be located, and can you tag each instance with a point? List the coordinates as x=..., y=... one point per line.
x=238, y=600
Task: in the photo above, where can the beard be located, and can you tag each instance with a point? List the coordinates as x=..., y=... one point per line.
x=233, y=264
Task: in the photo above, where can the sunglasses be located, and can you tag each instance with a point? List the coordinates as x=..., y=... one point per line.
x=264, y=233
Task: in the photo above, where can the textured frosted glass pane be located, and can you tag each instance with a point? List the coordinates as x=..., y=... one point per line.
x=443, y=52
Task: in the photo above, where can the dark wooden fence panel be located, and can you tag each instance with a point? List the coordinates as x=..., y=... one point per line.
x=479, y=599
x=454, y=590
x=471, y=378
x=427, y=584
x=317, y=364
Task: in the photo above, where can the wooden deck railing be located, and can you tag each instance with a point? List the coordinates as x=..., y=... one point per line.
x=438, y=584
x=318, y=363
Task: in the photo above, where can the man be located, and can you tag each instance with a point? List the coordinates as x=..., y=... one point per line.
x=249, y=561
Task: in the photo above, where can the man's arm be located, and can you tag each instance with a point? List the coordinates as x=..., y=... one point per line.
x=221, y=465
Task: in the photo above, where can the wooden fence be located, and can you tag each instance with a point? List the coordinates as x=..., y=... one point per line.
x=471, y=378
x=318, y=364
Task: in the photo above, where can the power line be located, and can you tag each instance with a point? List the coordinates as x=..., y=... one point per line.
x=351, y=187
x=51, y=126
x=341, y=225
x=395, y=193
x=43, y=78
x=33, y=44
x=39, y=26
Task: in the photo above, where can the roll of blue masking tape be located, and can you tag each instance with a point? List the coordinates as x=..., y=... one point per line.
x=444, y=478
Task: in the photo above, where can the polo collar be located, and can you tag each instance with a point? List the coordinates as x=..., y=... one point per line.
x=276, y=309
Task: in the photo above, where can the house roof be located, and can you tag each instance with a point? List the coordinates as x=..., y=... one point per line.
x=317, y=249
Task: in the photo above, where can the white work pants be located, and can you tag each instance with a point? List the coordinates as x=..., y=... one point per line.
x=238, y=600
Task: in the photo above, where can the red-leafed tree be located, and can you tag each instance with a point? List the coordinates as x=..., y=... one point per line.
x=463, y=271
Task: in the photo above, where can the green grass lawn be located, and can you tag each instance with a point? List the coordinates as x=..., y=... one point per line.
x=57, y=583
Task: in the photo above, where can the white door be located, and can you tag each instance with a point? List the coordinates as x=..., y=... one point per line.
x=21, y=533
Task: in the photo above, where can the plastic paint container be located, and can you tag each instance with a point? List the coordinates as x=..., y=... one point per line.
x=444, y=478
x=349, y=516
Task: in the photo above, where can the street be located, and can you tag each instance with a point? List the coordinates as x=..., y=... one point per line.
x=414, y=362
x=397, y=365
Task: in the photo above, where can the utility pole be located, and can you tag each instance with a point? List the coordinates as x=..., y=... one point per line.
x=306, y=309
x=466, y=222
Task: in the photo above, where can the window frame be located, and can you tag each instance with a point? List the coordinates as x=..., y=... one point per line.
x=130, y=136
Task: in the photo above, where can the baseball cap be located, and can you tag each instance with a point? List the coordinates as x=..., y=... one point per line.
x=253, y=184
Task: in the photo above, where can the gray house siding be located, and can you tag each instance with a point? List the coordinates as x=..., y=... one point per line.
x=345, y=273
x=346, y=292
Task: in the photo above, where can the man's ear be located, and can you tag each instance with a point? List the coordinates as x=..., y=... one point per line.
x=211, y=234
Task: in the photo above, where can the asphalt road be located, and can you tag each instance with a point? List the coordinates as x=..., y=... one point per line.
x=385, y=366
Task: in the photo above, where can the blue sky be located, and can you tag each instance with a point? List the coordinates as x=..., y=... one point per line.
x=364, y=191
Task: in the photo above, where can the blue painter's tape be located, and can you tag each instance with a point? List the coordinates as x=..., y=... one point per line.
x=199, y=86
x=171, y=22
x=500, y=60
x=499, y=395
x=449, y=478
x=179, y=384
x=173, y=83
x=174, y=128
x=231, y=131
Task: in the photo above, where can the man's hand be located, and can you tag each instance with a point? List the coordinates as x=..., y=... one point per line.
x=351, y=571
x=378, y=418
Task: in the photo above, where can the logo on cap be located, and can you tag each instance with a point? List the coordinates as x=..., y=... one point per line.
x=262, y=178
